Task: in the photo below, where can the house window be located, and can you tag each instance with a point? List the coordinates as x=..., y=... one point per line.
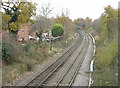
x=22, y=30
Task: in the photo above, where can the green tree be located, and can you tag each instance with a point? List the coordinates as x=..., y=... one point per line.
x=57, y=30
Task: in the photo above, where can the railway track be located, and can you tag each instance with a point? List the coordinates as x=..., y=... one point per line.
x=68, y=78
x=44, y=78
x=68, y=75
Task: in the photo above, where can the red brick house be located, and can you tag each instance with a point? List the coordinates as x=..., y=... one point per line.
x=23, y=33
x=27, y=32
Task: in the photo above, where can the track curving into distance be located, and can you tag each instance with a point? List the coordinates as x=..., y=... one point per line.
x=72, y=65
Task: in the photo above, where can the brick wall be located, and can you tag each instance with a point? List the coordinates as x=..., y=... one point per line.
x=23, y=33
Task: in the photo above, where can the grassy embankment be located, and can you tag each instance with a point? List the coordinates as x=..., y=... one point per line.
x=106, y=62
x=29, y=58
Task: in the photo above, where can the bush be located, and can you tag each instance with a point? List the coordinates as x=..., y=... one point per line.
x=106, y=64
x=11, y=51
x=6, y=52
x=57, y=30
x=106, y=54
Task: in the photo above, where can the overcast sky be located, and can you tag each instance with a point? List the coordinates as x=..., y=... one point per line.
x=80, y=8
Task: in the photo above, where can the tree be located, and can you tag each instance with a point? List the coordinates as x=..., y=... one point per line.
x=88, y=23
x=106, y=25
x=43, y=22
x=70, y=28
x=17, y=13
x=63, y=19
x=80, y=22
x=57, y=30
x=109, y=21
x=46, y=10
x=95, y=24
x=84, y=23
x=5, y=20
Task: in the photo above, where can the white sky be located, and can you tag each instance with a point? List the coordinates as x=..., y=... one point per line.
x=80, y=8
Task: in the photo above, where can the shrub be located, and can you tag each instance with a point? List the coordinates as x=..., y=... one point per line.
x=6, y=52
x=106, y=54
x=57, y=30
x=11, y=51
x=106, y=64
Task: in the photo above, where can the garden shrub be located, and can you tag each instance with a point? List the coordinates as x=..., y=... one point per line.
x=57, y=30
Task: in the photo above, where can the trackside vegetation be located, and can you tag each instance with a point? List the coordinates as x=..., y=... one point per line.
x=106, y=57
x=106, y=65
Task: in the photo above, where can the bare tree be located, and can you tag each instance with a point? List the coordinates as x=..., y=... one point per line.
x=46, y=10
x=42, y=23
x=43, y=19
x=66, y=12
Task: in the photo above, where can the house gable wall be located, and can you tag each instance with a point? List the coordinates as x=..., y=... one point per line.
x=23, y=33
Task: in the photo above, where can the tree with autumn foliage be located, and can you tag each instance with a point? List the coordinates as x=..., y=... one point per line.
x=107, y=24
x=110, y=19
x=63, y=19
x=16, y=13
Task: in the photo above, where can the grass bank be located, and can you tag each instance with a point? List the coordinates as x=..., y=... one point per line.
x=106, y=60
x=106, y=64
x=31, y=56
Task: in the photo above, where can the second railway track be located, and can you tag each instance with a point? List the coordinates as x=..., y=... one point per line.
x=67, y=77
